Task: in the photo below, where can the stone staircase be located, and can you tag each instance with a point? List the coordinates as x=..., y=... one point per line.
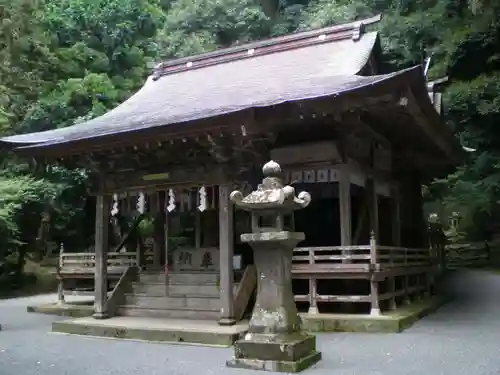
x=189, y=295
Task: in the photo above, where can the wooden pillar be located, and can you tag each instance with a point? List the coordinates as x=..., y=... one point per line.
x=396, y=217
x=165, y=246
x=197, y=226
x=60, y=292
x=374, y=297
x=226, y=256
x=373, y=207
x=165, y=234
x=392, y=289
x=406, y=288
x=345, y=207
x=60, y=286
x=418, y=287
x=155, y=204
x=101, y=257
x=313, y=295
x=313, y=303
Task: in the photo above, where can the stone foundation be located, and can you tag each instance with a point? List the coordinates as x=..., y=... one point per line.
x=277, y=353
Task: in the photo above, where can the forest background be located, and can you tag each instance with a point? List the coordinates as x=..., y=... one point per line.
x=66, y=61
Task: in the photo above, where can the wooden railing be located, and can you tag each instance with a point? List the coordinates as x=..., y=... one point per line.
x=123, y=286
x=392, y=256
x=371, y=262
x=244, y=291
x=85, y=262
x=73, y=267
x=467, y=255
x=362, y=258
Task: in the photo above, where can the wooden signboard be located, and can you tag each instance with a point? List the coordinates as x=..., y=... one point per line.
x=303, y=154
x=191, y=259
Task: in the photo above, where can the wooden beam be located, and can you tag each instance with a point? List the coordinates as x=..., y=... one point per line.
x=178, y=177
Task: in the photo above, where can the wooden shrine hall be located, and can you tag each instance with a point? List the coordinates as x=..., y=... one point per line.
x=361, y=141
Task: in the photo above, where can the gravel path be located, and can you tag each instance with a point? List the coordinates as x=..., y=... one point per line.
x=462, y=338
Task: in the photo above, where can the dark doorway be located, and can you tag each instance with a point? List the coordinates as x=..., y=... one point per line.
x=320, y=221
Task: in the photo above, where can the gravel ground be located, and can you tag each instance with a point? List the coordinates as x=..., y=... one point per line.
x=462, y=338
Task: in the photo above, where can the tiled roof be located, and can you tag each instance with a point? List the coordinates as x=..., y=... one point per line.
x=306, y=65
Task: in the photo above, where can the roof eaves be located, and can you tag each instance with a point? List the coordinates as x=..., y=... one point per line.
x=423, y=101
x=402, y=76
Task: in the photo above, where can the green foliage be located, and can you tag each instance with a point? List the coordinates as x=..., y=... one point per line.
x=321, y=13
x=146, y=227
x=472, y=107
x=22, y=200
x=195, y=26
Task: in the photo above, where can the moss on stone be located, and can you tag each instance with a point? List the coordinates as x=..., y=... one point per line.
x=394, y=322
x=155, y=335
x=74, y=311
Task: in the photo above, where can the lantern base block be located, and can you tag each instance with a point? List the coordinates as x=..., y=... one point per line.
x=291, y=353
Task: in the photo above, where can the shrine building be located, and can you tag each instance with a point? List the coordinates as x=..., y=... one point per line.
x=361, y=141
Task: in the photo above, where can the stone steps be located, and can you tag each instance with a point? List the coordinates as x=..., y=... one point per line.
x=126, y=310
x=160, y=289
x=193, y=295
x=173, y=302
x=186, y=290
x=189, y=331
x=179, y=277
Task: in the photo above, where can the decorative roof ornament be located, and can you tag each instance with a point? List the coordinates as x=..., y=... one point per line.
x=358, y=30
x=271, y=194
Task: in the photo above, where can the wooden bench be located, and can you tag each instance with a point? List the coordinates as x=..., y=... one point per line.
x=371, y=262
x=74, y=267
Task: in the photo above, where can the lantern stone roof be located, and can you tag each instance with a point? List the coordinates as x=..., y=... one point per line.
x=299, y=66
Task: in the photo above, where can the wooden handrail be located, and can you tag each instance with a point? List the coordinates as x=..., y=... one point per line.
x=123, y=286
x=372, y=254
x=87, y=260
x=244, y=292
x=333, y=248
x=113, y=254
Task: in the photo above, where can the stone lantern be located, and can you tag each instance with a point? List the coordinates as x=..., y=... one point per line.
x=274, y=341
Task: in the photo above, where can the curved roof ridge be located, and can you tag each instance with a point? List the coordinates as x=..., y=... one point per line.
x=353, y=29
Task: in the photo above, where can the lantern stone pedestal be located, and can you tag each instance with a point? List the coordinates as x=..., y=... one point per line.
x=274, y=341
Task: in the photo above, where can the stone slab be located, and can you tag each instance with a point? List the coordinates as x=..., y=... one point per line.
x=391, y=322
x=181, y=331
x=286, y=347
x=276, y=366
x=75, y=310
